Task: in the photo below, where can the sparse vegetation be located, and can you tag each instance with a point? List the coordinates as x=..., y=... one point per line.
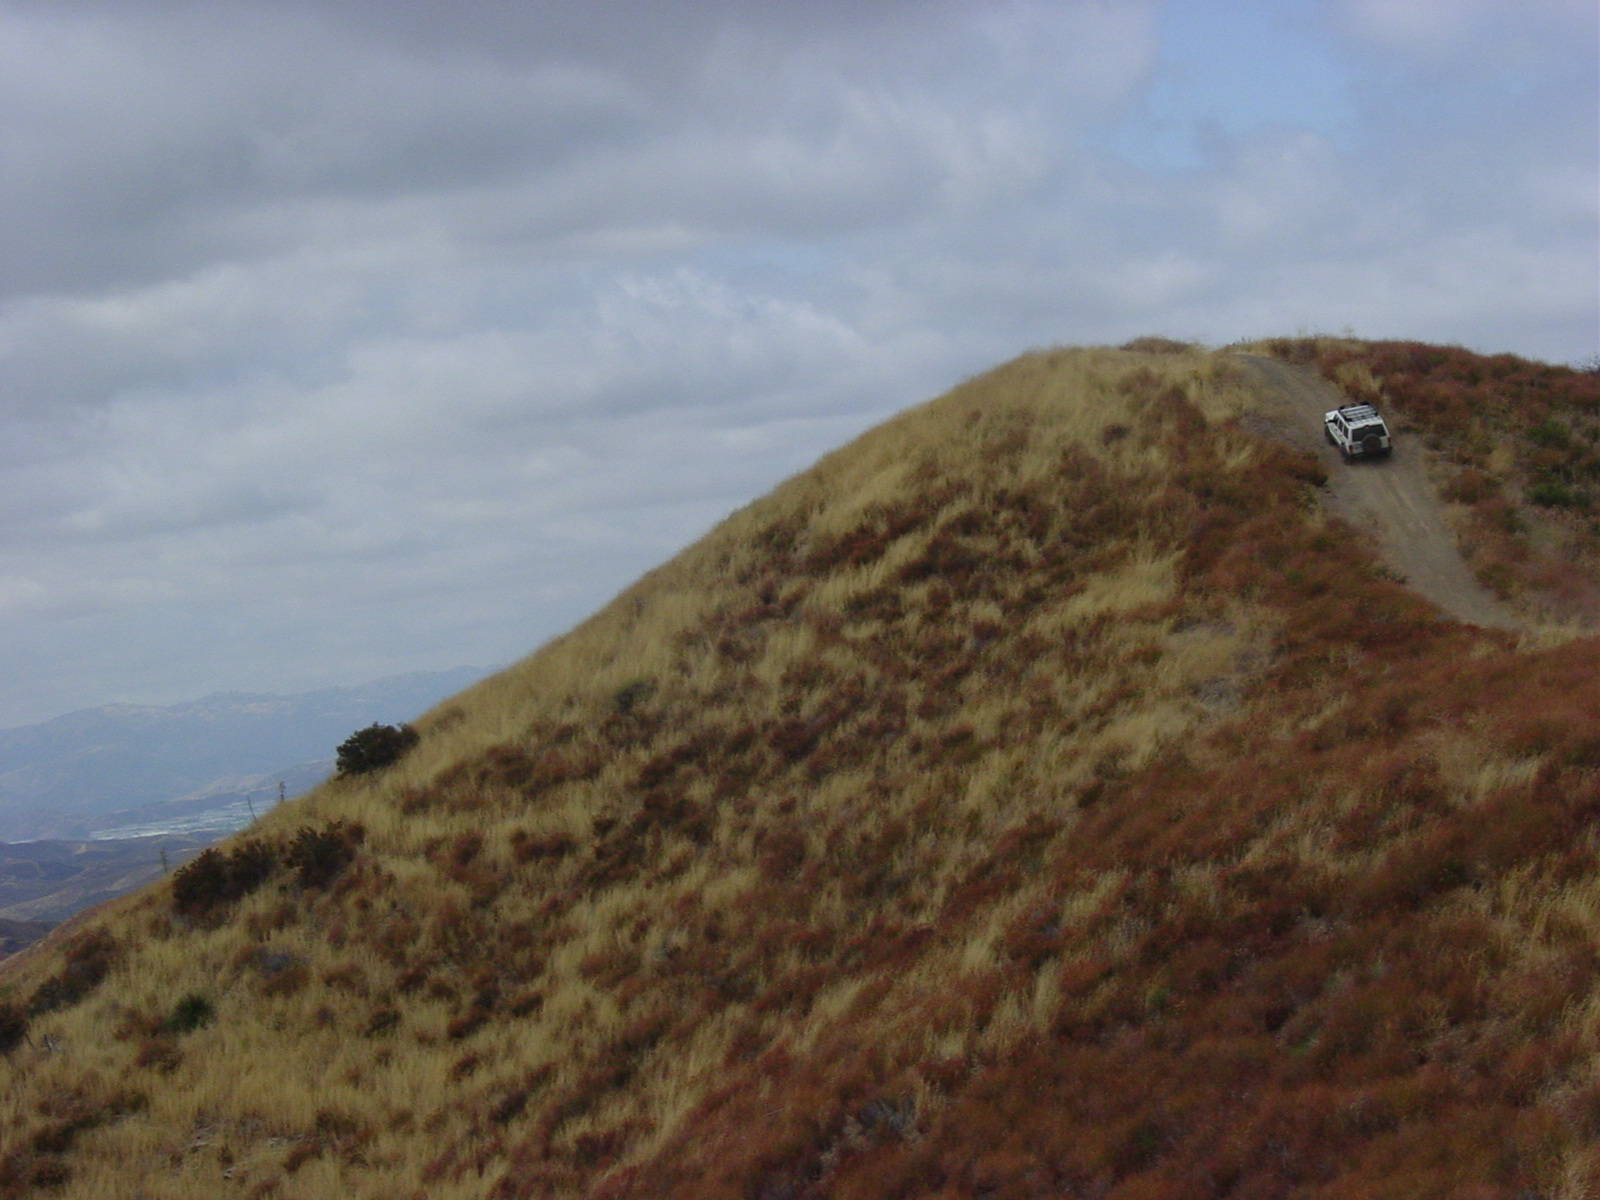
x=1014, y=809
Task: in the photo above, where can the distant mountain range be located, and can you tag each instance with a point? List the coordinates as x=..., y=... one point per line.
x=130, y=769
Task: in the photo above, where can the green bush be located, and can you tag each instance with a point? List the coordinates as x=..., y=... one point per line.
x=630, y=695
x=1552, y=493
x=189, y=1014
x=375, y=747
x=1551, y=434
x=13, y=1027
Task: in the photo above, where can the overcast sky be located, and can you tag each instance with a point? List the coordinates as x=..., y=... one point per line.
x=339, y=339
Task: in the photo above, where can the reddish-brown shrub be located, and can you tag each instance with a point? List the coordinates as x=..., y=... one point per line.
x=88, y=960
x=319, y=856
x=526, y=847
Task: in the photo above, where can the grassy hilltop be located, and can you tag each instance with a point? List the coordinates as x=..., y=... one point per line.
x=1042, y=796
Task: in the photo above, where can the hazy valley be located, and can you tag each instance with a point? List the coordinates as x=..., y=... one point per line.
x=98, y=802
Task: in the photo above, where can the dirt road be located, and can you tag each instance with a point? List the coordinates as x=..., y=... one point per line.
x=1390, y=499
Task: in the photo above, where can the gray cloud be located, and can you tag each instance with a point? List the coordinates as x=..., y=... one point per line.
x=344, y=338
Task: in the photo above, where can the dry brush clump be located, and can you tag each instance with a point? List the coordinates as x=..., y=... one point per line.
x=1038, y=797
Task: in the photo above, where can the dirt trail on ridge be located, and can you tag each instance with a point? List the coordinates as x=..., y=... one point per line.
x=1392, y=498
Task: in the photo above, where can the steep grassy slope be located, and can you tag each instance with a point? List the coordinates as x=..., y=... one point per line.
x=1039, y=797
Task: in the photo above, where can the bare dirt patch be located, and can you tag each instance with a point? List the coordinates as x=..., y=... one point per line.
x=1392, y=499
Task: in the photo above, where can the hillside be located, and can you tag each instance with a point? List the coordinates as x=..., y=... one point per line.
x=1045, y=795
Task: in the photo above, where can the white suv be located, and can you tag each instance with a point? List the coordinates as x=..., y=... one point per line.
x=1357, y=430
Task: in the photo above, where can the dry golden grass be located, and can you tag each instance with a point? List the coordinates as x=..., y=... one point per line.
x=1035, y=797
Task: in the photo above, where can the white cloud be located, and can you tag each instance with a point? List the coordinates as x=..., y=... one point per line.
x=343, y=338
x=19, y=595
x=1280, y=189
x=1436, y=28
